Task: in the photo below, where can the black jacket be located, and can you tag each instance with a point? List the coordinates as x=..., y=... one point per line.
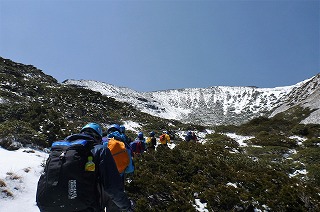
x=108, y=175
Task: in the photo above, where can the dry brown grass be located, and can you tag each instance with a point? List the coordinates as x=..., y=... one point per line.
x=13, y=176
x=2, y=183
x=6, y=192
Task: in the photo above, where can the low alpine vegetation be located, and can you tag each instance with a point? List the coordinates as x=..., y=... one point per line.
x=168, y=180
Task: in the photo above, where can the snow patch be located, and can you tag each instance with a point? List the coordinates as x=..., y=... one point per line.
x=200, y=206
x=298, y=172
x=20, y=170
x=299, y=139
x=232, y=184
x=239, y=138
x=133, y=126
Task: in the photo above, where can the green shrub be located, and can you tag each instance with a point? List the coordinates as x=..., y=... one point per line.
x=308, y=130
x=308, y=156
x=314, y=173
x=267, y=139
x=221, y=139
x=225, y=128
x=313, y=142
x=284, y=123
x=166, y=180
x=20, y=132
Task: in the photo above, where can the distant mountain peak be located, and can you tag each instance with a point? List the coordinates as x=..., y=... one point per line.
x=213, y=105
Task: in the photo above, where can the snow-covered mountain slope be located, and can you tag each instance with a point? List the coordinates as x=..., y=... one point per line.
x=306, y=95
x=19, y=174
x=143, y=101
x=221, y=104
x=214, y=105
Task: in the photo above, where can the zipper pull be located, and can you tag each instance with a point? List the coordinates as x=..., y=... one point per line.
x=62, y=155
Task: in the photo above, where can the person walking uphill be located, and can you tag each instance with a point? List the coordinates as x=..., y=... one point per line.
x=123, y=134
x=151, y=141
x=114, y=131
x=138, y=146
x=164, y=139
x=191, y=136
x=121, y=153
x=120, y=150
x=80, y=175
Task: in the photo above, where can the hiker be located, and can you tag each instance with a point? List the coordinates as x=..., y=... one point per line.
x=164, y=139
x=65, y=187
x=127, y=140
x=171, y=134
x=112, y=139
x=194, y=137
x=138, y=146
x=121, y=153
x=123, y=134
x=114, y=132
x=191, y=137
x=151, y=141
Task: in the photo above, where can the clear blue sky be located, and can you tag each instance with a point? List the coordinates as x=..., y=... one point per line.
x=165, y=44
